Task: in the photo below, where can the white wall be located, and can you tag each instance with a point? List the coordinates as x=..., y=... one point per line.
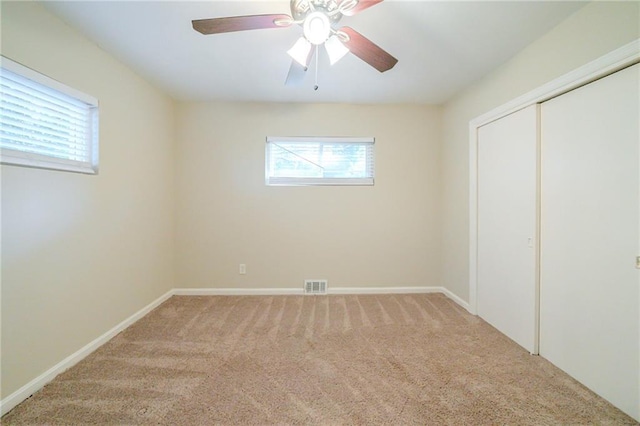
x=593, y=31
x=384, y=235
x=81, y=253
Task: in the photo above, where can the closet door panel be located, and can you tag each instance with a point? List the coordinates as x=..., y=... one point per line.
x=590, y=214
x=507, y=188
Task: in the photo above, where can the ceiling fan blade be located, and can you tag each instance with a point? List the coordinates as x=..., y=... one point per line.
x=366, y=50
x=241, y=23
x=296, y=74
x=360, y=6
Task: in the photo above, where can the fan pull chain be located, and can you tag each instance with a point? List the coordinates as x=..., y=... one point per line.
x=315, y=87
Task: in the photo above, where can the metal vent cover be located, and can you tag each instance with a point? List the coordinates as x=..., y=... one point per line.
x=315, y=286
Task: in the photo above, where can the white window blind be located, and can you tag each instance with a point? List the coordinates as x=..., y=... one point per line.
x=44, y=123
x=319, y=161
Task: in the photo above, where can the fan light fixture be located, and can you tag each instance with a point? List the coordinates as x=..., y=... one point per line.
x=317, y=30
x=301, y=51
x=335, y=49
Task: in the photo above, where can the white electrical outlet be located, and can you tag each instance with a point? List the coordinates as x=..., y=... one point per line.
x=243, y=269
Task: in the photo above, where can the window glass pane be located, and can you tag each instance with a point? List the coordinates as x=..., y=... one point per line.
x=42, y=125
x=345, y=160
x=297, y=160
x=320, y=161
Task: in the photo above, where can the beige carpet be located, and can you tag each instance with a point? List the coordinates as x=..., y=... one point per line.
x=390, y=359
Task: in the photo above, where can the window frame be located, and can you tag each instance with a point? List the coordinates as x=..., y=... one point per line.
x=43, y=161
x=306, y=181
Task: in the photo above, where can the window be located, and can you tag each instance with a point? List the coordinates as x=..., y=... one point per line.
x=319, y=161
x=44, y=123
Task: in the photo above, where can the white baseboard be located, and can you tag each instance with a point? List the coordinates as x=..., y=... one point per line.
x=456, y=299
x=383, y=290
x=281, y=291
x=38, y=383
x=278, y=291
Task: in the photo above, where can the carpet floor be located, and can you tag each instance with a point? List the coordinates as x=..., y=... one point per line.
x=374, y=359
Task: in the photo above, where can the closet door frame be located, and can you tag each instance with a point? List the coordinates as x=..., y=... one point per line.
x=616, y=60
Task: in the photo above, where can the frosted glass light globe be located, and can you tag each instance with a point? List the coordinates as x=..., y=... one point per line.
x=317, y=27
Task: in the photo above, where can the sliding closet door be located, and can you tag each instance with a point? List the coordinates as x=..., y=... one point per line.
x=589, y=284
x=507, y=188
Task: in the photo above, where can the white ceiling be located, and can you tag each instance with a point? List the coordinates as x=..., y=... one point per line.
x=442, y=47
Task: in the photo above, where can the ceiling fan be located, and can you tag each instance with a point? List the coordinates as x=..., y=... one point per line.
x=317, y=19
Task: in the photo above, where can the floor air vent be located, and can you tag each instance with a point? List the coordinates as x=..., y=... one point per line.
x=315, y=286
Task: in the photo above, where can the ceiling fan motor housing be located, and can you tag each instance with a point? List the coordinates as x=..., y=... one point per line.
x=301, y=8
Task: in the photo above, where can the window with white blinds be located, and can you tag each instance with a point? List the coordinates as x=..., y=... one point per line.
x=44, y=123
x=319, y=161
